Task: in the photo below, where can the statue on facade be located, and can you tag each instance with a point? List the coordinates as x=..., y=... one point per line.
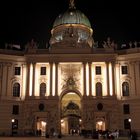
x=72, y=4
x=130, y=44
x=31, y=45
x=70, y=83
x=109, y=44
x=135, y=44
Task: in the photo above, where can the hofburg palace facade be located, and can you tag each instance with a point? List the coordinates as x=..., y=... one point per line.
x=71, y=85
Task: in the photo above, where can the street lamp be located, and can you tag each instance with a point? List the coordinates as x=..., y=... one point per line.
x=129, y=120
x=80, y=126
x=13, y=120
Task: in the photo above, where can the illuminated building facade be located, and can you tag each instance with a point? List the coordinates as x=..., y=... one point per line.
x=72, y=85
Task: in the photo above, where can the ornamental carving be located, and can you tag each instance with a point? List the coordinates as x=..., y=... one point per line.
x=70, y=76
x=70, y=83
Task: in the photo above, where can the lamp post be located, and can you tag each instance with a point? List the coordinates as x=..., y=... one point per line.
x=80, y=126
x=129, y=120
x=13, y=120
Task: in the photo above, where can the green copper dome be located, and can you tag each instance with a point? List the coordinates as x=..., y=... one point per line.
x=71, y=29
x=72, y=16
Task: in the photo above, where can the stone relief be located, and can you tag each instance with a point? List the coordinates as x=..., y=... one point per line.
x=70, y=77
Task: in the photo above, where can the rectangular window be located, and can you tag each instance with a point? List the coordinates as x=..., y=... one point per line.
x=126, y=109
x=17, y=70
x=43, y=71
x=15, y=109
x=98, y=70
x=124, y=69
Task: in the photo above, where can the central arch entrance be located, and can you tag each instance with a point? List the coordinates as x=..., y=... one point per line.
x=41, y=126
x=70, y=113
x=100, y=125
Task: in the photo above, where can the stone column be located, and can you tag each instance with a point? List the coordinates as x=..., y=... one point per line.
x=132, y=74
x=51, y=65
x=90, y=89
x=107, y=79
x=56, y=79
x=117, y=79
x=24, y=75
x=113, y=78
x=28, y=79
x=0, y=78
x=4, y=79
x=9, y=73
x=137, y=77
x=93, y=80
x=84, y=78
x=33, y=80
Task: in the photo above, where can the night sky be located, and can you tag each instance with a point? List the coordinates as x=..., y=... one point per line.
x=20, y=21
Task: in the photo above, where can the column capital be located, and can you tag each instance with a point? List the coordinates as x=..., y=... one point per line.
x=90, y=62
x=51, y=63
x=28, y=63
x=84, y=62
x=112, y=62
x=56, y=63
x=34, y=63
x=107, y=62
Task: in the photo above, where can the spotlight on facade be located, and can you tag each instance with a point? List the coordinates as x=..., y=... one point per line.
x=100, y=123
x=80, y=120
x=13, y=120
x=62, y=121
x=129, y=120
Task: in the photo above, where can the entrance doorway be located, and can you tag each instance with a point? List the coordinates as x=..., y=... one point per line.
x=71, y=113
x=71, y=125
x=100, y=125
x=41, y=127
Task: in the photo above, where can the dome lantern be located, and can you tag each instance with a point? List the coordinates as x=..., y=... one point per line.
x=72, y=27
x=72, y=4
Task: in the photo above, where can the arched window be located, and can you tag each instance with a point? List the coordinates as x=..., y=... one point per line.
x=98, y=89
x=16, y=90
x=42, y=89
x=125, y=89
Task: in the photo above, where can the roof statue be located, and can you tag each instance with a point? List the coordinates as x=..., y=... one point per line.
x=72, y=4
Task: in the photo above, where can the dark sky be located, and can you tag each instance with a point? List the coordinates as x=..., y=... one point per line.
x=20, y=21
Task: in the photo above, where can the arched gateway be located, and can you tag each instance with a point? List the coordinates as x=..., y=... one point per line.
x=70, y=113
